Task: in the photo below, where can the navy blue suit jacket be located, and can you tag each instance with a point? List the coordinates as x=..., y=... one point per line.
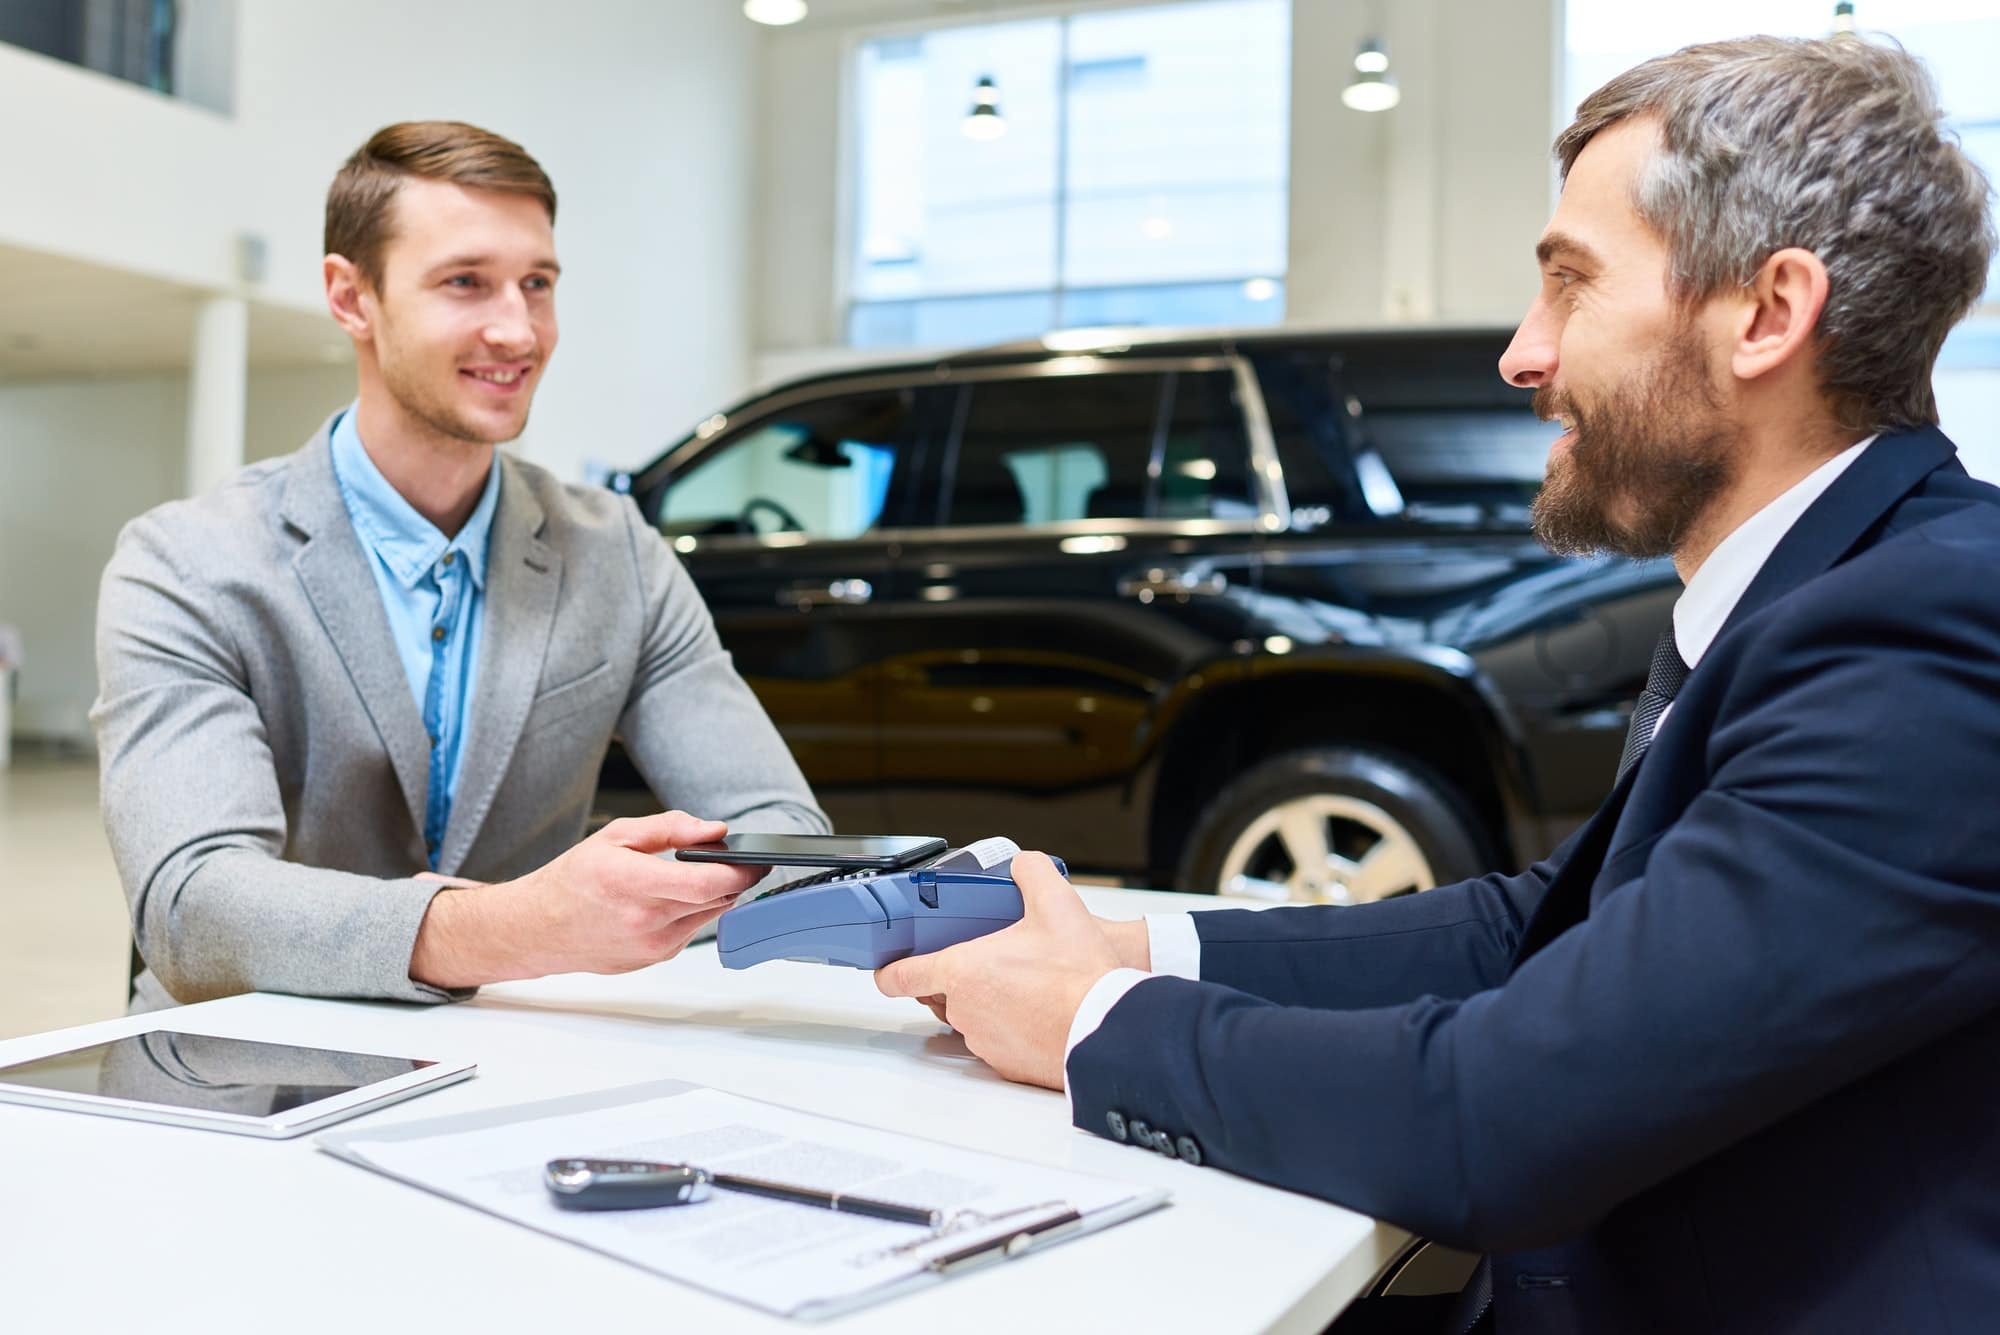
x=1730, y=1059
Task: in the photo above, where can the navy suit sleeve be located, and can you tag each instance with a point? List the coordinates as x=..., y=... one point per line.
x=1448, y=942
x=1827, y=903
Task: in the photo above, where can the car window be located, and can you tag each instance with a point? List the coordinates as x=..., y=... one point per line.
x=1452, y=440
x=1048, y=449
x=822, y=469
x=1205, y=459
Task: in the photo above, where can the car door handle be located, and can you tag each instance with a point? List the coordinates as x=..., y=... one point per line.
x=847, y=592
x=1159, y=583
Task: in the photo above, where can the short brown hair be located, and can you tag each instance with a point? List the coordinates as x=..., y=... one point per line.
x=1831, y=146
x=358, y=202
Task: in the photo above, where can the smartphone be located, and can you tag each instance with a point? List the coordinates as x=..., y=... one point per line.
x=872, y=852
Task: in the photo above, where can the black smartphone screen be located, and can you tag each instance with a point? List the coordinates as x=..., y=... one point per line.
x=880, y=852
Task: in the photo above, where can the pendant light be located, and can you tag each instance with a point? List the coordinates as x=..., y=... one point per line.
x=984, y=121
x=1372, y=88
x=776, y=13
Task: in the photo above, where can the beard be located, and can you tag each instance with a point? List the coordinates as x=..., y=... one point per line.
x=420, y=397
x=1645, y=462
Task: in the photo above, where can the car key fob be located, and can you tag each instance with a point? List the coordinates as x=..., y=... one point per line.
x=622, y=1184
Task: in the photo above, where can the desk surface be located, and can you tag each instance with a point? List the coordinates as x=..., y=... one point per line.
x=115, y=1225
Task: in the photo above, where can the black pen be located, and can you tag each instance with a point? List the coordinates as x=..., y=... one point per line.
x=830, y=1200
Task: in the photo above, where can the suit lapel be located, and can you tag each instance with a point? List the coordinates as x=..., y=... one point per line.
x=523, y=578
x=333, y=570
x=1871, y=486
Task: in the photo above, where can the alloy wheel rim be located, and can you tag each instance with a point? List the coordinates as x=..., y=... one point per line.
x=1325, y=848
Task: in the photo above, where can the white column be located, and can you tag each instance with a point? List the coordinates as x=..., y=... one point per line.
x=1410, y=189
x=218, y=380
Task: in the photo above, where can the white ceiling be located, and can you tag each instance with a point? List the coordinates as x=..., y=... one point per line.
x=66, y=319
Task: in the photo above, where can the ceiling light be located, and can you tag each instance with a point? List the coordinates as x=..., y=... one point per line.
x=776, y=13
x=1371, y=88
x=1259, y=289
x=1371, y=92
x=1156, y=228
x=984, y=121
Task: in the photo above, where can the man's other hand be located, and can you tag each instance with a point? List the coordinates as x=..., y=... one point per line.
x=1013, y=994
x=608, y=905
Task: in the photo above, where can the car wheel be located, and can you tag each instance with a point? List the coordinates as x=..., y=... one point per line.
x=1335, y=825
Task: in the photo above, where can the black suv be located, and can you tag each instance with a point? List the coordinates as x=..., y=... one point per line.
x=1256, y=612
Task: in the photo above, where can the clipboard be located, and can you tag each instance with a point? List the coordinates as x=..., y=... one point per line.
x=828, y=1264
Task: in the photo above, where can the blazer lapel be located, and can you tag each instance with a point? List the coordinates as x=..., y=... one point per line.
x=333, y=570
x=523, y=578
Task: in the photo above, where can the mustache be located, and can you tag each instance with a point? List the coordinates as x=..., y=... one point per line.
x=1550, y=403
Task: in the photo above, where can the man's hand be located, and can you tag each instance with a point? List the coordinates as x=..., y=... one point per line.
x=1012, y=995
x=608, y=905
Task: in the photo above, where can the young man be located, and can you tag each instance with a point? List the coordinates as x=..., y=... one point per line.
x=352, y=704
x=1727, y=1061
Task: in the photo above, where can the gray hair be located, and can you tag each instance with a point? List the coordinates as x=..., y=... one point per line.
x=1831, y=146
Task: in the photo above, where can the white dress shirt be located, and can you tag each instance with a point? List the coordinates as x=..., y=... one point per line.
x=1699, y=613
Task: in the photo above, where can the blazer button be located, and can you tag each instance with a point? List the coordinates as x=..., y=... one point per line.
x=1189, y=1151
x=1142, y=1134
x=1163, y=1141
x=1114, y=1121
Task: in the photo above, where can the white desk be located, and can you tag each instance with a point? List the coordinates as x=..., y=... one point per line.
x=124, y=1226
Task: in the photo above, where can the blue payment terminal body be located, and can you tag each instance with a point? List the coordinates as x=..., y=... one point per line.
x=865, y=919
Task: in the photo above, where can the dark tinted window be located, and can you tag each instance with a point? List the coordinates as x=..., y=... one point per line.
x=822, y=468
x=1443, y=434
x=1302, y=399
x=1045, y=449
x=1421, y=428
x=1205, y=460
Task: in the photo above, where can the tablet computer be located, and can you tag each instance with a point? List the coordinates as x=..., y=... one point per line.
x=274, y=1090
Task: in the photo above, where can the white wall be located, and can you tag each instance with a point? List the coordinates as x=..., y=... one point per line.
x=639, y=110
x=80, y=458
x=286, y=407
x=1427, y=212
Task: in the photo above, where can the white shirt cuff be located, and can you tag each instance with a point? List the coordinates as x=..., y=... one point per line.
x=1105, y=993
x=1175, y=944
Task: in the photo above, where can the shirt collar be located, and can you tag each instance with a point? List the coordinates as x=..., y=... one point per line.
x=1704, y=606
x=408, y=544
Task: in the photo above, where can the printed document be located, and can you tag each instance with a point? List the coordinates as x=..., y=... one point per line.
x=794, y=1260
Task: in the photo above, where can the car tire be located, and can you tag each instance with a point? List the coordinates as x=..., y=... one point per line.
x=1380, y=825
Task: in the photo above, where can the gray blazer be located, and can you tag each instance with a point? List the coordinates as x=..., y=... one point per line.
x=264, y=765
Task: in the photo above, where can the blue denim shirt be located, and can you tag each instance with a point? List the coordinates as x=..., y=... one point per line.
x=432, y=588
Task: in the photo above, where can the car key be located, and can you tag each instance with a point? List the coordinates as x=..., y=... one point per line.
x=619, y=1184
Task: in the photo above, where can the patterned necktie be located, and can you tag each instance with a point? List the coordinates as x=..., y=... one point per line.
x=1663, y=682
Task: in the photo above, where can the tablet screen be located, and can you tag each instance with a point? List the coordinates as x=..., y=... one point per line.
x=197, y=1071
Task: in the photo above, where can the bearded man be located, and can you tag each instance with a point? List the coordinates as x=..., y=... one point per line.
x=352, y=704
x=1729, y=1060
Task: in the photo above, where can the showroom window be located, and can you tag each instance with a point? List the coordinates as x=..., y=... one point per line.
x=1120, y=167
x=1960, y=42
x=185, y=49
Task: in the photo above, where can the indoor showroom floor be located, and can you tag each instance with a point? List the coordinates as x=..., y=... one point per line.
x=64, y=935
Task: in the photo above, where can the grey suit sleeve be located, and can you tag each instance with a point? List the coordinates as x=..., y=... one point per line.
x=196, y=822
x=691, y=725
